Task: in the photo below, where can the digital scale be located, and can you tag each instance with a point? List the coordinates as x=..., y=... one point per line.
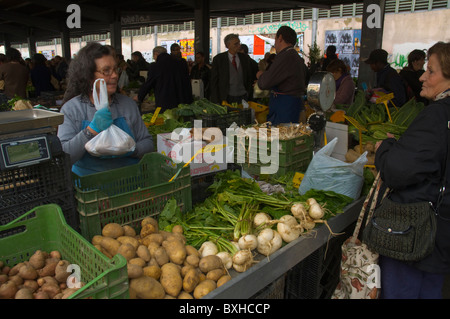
x=321, y=92
x=28, y=137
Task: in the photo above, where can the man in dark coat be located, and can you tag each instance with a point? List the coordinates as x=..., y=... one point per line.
x=170, y=80
x=232, y=76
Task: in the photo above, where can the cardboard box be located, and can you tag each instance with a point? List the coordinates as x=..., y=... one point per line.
x=182, y=148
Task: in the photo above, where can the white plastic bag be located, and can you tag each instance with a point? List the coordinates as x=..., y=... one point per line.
x=329, y=173
x=113, y=141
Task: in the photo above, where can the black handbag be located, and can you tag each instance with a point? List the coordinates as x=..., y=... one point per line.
x=404, y=231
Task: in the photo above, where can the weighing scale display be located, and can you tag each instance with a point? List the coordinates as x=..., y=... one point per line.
x=25, y=152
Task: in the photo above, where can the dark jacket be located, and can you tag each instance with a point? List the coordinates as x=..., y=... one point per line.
x=41, y=77
x=414, y=86
x=413, y=167
x=220, y=76
x=390, y=80
x=169, y=77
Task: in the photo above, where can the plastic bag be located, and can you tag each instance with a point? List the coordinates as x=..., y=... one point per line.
x=329, y=173
x=113, y=141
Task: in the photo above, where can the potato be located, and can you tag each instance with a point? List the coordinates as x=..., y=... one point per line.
x=222, y=280
x=49, y=268
x=138, y=261
x=41, y=295
x=127, y=251
x=6, y=270
x=150, y=220
x=152, y=247
x=24, y=293
x=128, y=231
x=153, y=262
x=193, y=260
x=177, y=229
x=31, y=284
x=134, y=271
x=152, y=271
x=47, y=279
x=15, y=269
x=184, y=270
x=155, y=237
x=176, y=251
x=51, y=289
x=146, y=288
x=161, y=256
x=185, y=295
x=204, y=288
x=143, y=252
x=61, y=273
x=175, y=236
x=55, y=254
x=8, y=290
x=67, y=293
x=215, y=274
x=17, y=280
x=37, y=260
x=191, y=250
x=3, y=278
x=171, y=279
x=148, y=229
x=191, y=280
x=111, y=245
x=96, y=240
x=28, y=272
x=112, y=230
x=209, y=263
x=129, y=240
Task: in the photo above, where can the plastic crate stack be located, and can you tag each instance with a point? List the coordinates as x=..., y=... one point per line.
x=24, y=188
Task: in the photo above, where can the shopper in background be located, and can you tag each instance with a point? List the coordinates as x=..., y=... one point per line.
x=201, y=71
x=136, y=65
x=81, y=120
x=169, y=78
x=387, y=77
x=15, y=74
x=330, y=56
x=253, y=63
x=41, y=75
x=412, y=73
x=345, y=87
x=286, y=78
x=413, y=167
x=232, y=75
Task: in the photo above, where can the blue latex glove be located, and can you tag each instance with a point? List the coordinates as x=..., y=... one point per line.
x=102, y=120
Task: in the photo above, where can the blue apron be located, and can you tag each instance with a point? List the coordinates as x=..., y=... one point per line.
x=89, y=164
x=284, y=108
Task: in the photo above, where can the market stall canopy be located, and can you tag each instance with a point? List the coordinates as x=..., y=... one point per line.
x=47, y=19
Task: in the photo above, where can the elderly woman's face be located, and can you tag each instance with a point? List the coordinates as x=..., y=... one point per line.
x=433, y=79
x=107, y=70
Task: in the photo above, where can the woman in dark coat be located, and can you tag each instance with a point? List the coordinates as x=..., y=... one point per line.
x=412, y=168
x=41, y=75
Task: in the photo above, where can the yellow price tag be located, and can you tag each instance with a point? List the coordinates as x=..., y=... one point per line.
x=385, y=98
x=355, y=123
x=155, y=115
x=298, y=177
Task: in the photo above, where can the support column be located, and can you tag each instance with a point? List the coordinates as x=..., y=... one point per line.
x=201, y=15
x=31, y=42
x=371, y=38
x=65, y=44
x=315, y=17
x=116, y=33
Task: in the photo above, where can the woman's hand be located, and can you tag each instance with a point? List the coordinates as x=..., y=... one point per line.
x=377, y=144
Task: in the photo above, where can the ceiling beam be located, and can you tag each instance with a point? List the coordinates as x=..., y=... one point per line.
x=27, y=20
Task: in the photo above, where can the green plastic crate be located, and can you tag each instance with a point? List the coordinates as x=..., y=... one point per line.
x=45, y=228
x=129, y=194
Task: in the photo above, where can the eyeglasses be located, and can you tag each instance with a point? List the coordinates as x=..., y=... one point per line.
x=109, y=72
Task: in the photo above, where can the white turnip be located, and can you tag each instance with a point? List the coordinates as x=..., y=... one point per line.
x=298, y=210
x=316, y=211
x=208, y=248
x=288, y=228
x=269, y=241
x=248, y=242
x=226, y=259
x=242, y=260
x=261, y=219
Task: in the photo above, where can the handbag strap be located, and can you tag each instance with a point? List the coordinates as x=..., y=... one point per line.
x=371, y=198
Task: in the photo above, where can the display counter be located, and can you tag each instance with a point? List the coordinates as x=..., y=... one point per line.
x=270, y=269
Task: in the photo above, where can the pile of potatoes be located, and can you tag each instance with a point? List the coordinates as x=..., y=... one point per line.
x=354, y=153
x=43, y=276
x=160, y=264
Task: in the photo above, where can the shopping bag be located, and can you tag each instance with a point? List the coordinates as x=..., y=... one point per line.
x=113, y=141
x=327, y=173
x=360, y=273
